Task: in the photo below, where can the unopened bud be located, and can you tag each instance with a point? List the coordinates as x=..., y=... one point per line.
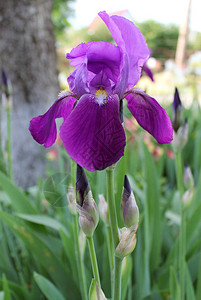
x=129, y=208
x=88, y=212
x=188, y=177
x=103, y=209
x=177, y=111
x=90, y=206
x=95, y=292
x=181, y=137
x=82, y=185
x=6, y=89
x=82, y=243
x=86, y=222
x=187, y=197
x=71, y=200
x=127, y=242
x=89, y=217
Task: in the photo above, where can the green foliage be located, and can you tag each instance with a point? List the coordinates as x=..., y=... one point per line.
x=161, y=39
x=61, y=11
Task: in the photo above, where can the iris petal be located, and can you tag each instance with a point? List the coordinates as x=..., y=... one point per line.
x=77, y=55
x=78, y=80
x=43, y=128
x=150, y=116
x=131, y=41
x=93, y=135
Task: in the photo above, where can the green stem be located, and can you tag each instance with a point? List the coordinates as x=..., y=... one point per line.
x=110, y=247
x=111, y=205
x=110, y=254
x=179, y=172
x=80, y=265
x=9, y=143
x=182, y=242
x=116, y=290
x=79, y=261
x=117, y=278
x=93, y=260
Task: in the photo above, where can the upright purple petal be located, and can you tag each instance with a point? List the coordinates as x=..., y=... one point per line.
x=93, y=135
x=77, y=55
x=100, y=81
x=131, y=41
x=104, y=56
x=77, y=80
x=150, y=116
x=43, y=128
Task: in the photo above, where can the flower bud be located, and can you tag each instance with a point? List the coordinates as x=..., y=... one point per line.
x=188, y=177
x=95, y=292
x=127, y=242
x=6, y=89
x=88, y=212
x=177, y=111
x=129, y=208
x=82, y=185
x=181, y=137
x=187, y=197
x=103, y=210
x=86, y=222
x=71, y=200
x=82, y=243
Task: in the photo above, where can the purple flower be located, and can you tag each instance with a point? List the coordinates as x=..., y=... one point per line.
x=104, y=74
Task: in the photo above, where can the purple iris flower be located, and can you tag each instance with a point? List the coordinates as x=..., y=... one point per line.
x=104, y=74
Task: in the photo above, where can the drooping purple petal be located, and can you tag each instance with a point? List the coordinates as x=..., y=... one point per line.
x=93, y=135
x=131, y=41
x=43, y=128
x=148, y=72
x=150, y=116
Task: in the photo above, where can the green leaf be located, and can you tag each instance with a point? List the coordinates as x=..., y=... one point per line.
x=153, y=211
x=189, y=285
x=44, y=254
x=43, y=220
x=7, y=295
x=126, y=276
x=174, y=285
x=48, y=288
x=20, y=202
x=198, y=286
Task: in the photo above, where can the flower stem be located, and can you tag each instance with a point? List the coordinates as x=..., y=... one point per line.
x=110, y=247
x=80, y=265
x=93, y=260
x=9, y=143
x=111, y=205
x=182, y=241
x=79, y=261
x=117, y=278
x=116, y=290
x=110, y=254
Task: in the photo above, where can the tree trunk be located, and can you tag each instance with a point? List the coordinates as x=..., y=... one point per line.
x=27, y=53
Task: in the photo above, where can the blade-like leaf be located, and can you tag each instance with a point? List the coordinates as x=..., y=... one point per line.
x=48, y=288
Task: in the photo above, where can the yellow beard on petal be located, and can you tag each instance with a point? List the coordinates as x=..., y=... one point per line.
x=101, y=96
